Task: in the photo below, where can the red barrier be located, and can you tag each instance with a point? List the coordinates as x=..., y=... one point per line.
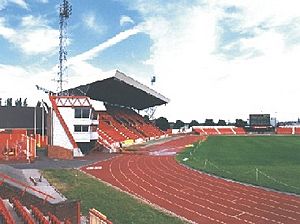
x=26, y=186
x=97, y=217
x=5, y=214
x=38, y=215
x=19, y=131
x=21, y=211
x=17, y=146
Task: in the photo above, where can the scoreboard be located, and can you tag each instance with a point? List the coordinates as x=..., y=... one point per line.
x=260, y=120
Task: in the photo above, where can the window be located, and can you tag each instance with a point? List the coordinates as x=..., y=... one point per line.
x=85, y=113
x=82, y=112
x=77, y=128
x=84, y=128
x=94, y=128
x=81, y=128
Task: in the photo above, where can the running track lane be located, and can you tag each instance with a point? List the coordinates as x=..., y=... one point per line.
x=195, y=196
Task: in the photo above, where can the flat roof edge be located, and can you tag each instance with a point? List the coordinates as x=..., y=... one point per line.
x=130, y=81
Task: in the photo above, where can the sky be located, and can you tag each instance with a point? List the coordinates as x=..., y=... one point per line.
x=216, y=59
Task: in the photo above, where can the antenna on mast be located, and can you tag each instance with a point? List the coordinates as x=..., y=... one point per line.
x=65, y=10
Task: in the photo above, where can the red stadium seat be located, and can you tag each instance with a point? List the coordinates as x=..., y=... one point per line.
x=284, y=130
x=5, y=215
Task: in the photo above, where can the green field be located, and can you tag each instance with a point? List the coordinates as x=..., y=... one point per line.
x=117, y=206
x=269, y=161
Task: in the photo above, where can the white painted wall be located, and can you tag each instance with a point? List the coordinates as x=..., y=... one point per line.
x=60, y=137
x=94, y=135
x=68, y=113
x=181, y=130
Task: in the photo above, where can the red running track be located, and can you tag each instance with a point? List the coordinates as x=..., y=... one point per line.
x=158, y=178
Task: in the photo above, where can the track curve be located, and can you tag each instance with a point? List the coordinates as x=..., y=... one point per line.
x=158, y=178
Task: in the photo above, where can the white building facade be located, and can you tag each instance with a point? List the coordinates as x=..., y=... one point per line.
x=73, y=123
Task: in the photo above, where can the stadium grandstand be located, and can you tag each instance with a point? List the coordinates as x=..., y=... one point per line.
x=88, y=117
x=103, y=114
x=218, y=130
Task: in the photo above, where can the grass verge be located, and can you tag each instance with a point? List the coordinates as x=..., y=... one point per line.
x=117, y=206
x=269, y=161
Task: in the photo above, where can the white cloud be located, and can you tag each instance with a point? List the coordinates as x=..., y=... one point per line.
x=43, y=1
x=24, y=79
x=16, y=82
x=201, y=82
x=256, y=12
x=125, y=19
x=21, y=3
x=190, y=69
x=33, y=36
x=90, y=54
x=6, y=32
x=93, y=22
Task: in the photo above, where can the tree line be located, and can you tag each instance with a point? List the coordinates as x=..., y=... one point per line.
x=164, y=124
x=18, y=102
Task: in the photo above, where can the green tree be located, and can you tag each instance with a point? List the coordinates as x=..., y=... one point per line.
x=221, y=122
x=240, y=123
x=193, y=123
x=25, y=104
x=209, y=122
x=18, y=102
x=8, y=102
x=162, y=123
x=178, y=124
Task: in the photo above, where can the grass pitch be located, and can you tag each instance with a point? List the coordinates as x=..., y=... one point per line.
x=117, y=206
x=269, y=161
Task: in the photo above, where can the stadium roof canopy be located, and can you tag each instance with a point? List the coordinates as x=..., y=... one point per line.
x=123, y=90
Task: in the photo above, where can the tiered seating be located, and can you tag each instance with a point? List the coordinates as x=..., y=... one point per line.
x=38, y=215
x=297, y=131
x=138, y=122
x=215, y=130
x=239, y=130
x=200, y=131
x=211, y=131
x=14, y=208
x=32, y=216
x=112, y=131
x=53, y=219
x=225, y=131
x=284, y=130
x=5, y=216
x=120, y=124
x=22, y=211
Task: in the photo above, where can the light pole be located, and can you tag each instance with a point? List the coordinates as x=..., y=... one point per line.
x=43, y=122
x=34, y=131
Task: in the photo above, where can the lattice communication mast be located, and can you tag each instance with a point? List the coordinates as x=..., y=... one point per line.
x=65, y=10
